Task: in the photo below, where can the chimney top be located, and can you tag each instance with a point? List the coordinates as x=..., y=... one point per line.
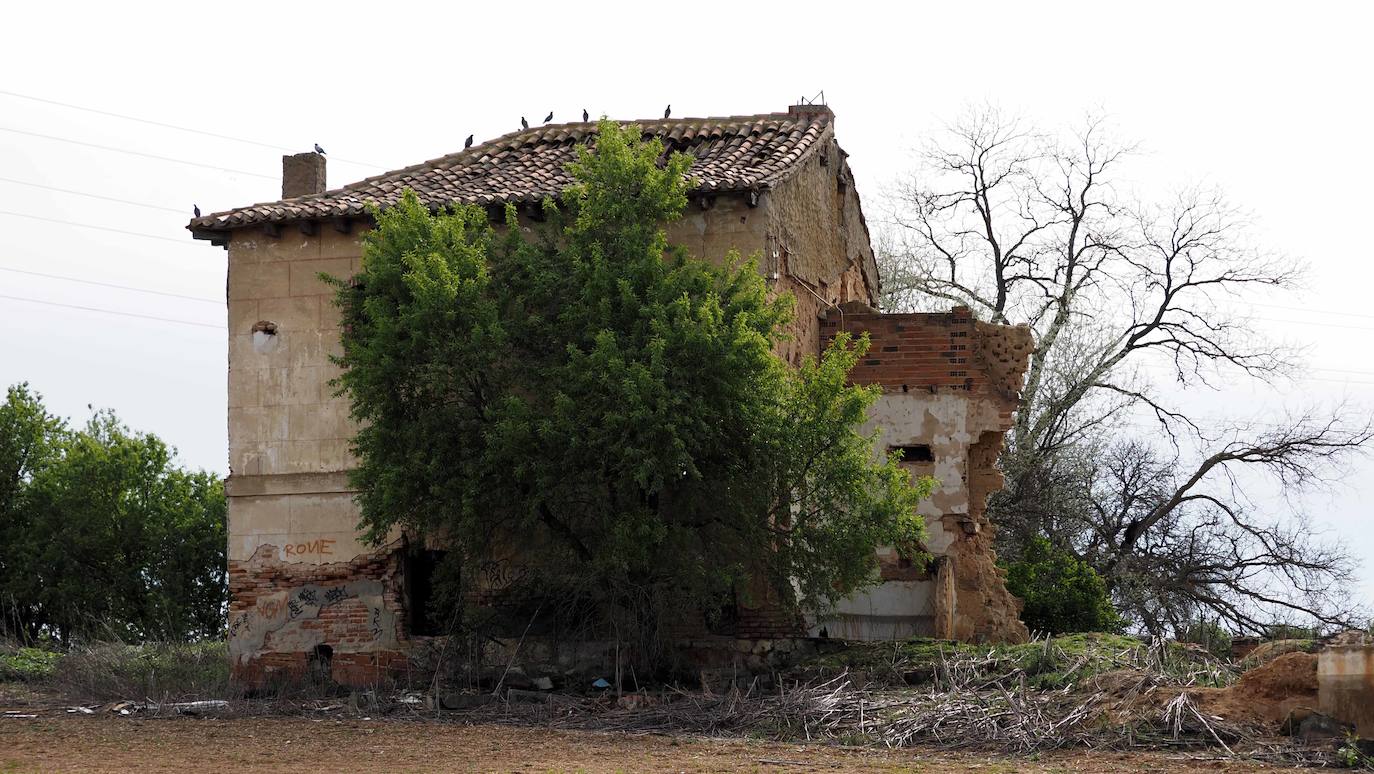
x=302, y=174
x=810, y=109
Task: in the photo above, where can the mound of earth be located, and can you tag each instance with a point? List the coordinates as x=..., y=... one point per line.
x=1268, y=651
x=1266, y=694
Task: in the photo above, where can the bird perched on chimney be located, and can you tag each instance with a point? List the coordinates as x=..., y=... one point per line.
x=548, y=117
x=467, y=143
x=318, y=149
x=196, y=209
x=668, y=111
x=584, y=115
x=523, y=123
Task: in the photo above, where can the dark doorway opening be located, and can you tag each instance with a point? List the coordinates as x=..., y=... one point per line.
x=422, y=604
x=320, y=664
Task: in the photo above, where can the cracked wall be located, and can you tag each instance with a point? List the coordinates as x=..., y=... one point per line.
x=951, y=384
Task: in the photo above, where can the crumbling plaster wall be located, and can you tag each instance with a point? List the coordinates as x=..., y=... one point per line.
x=951, y=384
x=817, y=245
x=300, y=574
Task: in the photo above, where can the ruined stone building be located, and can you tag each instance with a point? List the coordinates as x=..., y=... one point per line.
x=308, y=593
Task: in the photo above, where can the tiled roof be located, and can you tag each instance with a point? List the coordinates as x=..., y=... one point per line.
x=739, y=153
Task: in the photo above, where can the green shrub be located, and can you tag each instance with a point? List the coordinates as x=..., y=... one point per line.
x=28, y=664
x=1209, y=635
x=1290, y=632
x=1062, y=594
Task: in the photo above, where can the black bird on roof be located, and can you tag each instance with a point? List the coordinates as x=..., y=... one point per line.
x=584, y=115
x=467, y=143
x=523, y=123
x=668, y=111
x=318, y=149
x=548, y=117
x=196, y=209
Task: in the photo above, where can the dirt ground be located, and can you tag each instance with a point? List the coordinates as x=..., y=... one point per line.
x=103, y=743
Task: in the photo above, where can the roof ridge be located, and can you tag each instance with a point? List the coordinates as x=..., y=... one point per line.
x=456, y=155
x=733, y=153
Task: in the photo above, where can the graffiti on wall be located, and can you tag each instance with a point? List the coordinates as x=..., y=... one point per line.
x=280, y=618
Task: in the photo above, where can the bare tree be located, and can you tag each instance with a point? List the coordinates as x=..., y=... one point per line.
x=1027, y=229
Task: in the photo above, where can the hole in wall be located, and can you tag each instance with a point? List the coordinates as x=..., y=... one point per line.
x=265, y=340
x=914, y=453
x=320, y=664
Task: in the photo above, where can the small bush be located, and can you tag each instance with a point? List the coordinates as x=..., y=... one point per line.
x=1062, y=594
x=29, y=665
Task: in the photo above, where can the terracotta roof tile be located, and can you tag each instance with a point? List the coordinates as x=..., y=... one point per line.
x=738, y=153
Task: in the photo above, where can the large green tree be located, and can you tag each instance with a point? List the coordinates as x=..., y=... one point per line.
x=101, y=534
x=603, y=416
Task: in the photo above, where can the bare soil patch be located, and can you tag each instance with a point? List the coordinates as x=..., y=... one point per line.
x=53, y=742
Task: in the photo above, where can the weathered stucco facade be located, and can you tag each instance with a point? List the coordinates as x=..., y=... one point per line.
x=309, y=594
x=949, y=387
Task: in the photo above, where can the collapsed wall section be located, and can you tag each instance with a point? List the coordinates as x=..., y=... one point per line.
x=950, y=385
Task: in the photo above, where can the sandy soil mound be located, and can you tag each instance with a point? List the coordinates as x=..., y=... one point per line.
x=1267, y=693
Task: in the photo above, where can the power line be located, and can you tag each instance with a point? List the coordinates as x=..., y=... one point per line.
x=1343, y=370
x=1317, y=322
x=92, y=196
x=1313, y=311
x=111, y=311
x=135, y=153
x=89, y=225
x=165, y=125
x=112, y=285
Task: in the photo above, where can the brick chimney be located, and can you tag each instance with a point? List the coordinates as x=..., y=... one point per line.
x=810, y=109
x=302, y=175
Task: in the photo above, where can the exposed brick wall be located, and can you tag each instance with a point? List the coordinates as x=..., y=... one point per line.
x=280, y=611
x=925, y=358
x=915, y=351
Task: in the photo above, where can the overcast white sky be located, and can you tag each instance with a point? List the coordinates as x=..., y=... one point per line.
x=1268, y=101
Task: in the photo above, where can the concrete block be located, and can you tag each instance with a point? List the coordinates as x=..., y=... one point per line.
x=245, y=387
x=243, y=314
x=251, y=425
x=292, y=245
x=291, y=314
x=333, y=244
x=299, y=457
x=311, y=514
x=259, y=515
x=317, y=346
x=292, y=386
x=305, y=279
x=336, y=455
x=259, y=280
x=244, y=462
x=320, y=422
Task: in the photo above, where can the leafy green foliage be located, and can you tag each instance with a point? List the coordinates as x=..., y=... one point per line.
x=1210, y=635
x=1062, y=593
x=1283, y=631
x=595, y=403
x=101, y=535
x=28, y=664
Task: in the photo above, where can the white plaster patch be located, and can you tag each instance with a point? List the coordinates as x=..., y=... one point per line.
x=265, y=343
